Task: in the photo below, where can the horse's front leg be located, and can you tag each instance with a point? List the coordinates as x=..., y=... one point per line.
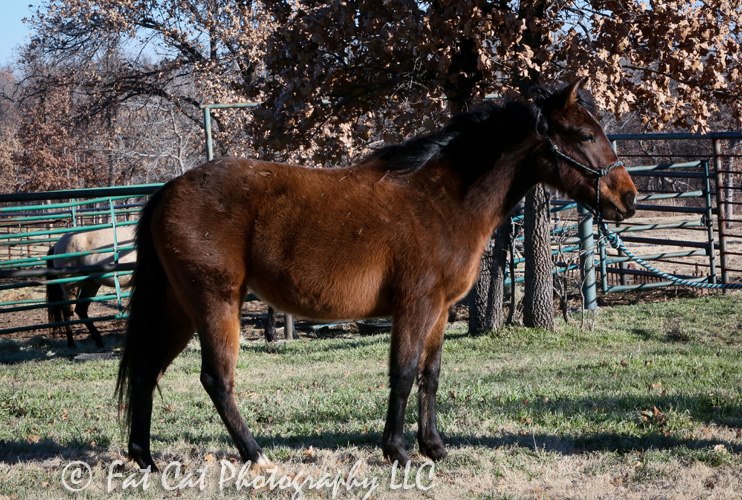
x=410, y=329
x=431, y=444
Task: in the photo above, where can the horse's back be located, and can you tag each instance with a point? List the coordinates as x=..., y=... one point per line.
x=315, y=242
x=98, y=248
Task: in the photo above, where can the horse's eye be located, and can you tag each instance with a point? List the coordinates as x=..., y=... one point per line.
x=588, y=138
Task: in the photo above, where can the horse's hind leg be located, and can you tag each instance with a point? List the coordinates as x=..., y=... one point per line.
x=67, y=313
x=174, y=330
x=428, y=438
x=219, y=332
x=87, y=291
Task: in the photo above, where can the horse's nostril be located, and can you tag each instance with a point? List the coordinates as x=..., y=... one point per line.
x=630, y=200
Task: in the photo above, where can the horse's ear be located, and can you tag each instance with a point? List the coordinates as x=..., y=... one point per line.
x=570, y=95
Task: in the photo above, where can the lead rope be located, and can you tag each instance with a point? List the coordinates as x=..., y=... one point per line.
x=616, y=242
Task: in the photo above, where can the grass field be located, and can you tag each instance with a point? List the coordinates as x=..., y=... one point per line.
x=647, y=402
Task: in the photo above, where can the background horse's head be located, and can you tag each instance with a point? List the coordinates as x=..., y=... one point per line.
x=581, y=156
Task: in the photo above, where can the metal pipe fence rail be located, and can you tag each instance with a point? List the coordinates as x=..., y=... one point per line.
x=684, y=215
x=30, y=223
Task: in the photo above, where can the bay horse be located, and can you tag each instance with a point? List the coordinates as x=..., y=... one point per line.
x=88, y=248
x=399, y=234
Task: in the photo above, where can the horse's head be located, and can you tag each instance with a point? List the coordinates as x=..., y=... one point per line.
x=580, y=157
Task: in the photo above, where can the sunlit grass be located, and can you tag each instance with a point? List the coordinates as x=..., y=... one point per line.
x=658, y=385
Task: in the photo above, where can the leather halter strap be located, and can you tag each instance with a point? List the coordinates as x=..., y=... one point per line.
x=598, y=173
x=576, y=163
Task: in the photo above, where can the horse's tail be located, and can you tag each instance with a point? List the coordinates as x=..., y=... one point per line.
x=54, y=295
x=148, y=284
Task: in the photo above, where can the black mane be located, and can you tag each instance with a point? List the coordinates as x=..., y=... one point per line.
x=473, y=141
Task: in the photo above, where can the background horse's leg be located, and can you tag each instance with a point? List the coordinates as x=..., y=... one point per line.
x=219, y=332
x=67, y=295
x=88, y=290
x=270, y=325
x=431, y=444
x=57, y=313
x=56, y=292
x=409, y=330
x=174, y=330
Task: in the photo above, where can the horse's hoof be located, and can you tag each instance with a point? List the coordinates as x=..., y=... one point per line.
x=396, y=454
x=261, y=465
x=142, y=458
x=433, y=450
x=145, y=465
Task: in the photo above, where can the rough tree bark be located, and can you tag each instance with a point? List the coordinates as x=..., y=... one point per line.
x=486, y=298
x=538, y=302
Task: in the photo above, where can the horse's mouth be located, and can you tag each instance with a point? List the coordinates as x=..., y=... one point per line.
x=614, y=213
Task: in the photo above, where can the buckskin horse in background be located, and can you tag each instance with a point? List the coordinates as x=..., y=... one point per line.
x=399, y=234
x=90, y=248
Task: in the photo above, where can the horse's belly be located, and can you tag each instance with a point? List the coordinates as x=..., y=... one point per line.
x=338, y=297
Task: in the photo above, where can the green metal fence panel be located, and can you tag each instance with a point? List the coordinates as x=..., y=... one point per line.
x=31, y=222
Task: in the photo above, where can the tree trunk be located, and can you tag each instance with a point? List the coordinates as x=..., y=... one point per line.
x=538, y=302
x=486, y=298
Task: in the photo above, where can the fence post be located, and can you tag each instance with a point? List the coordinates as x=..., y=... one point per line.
x=207, y=132
x=288, y=326
x=720, y=212
x=709, y=221
x=587, y=260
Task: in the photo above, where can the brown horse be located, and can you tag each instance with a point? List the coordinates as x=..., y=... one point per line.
x=399, y=234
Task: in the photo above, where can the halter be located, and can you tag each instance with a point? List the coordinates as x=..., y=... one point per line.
x=598, y=173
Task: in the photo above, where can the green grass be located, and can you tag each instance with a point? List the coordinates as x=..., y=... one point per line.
x=646, y=402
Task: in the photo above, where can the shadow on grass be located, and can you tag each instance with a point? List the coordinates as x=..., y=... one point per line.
x=43, y=347
x=566, y=444
x=590, y=443
x=45, y=449
x=23, y=451
x=643, y=333
x=562, y=444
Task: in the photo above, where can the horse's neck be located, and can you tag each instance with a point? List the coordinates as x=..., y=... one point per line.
x=494, y=195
